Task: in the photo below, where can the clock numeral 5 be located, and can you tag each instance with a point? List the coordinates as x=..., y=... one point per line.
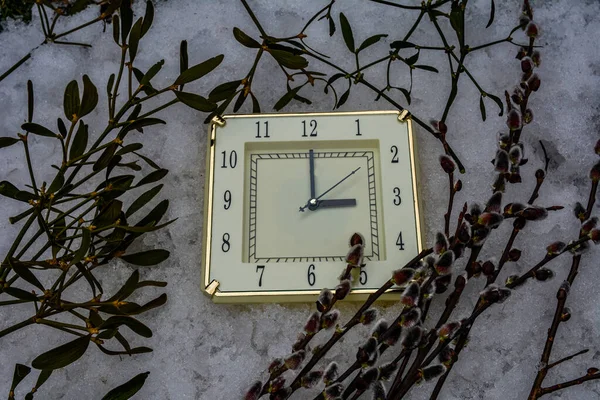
x=225, y=246
x=232, y=159
x=311, y=275
x=313, y=125
x=397, y=198
x=262, y=271
x=363, y=277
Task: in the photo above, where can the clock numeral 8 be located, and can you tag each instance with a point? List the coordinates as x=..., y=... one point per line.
x=311, y=275
x=225, y=246
x=232, y=159
x=397, y=198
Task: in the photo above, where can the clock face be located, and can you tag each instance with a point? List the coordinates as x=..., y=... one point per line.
x=284, y=194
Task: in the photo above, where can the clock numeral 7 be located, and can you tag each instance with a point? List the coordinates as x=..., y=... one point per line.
x=313, y=125
x=311, y=275
x=262, y=271
x=232, y=159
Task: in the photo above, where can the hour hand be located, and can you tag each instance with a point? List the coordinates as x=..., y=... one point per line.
x=311, y=157
x=336, y=203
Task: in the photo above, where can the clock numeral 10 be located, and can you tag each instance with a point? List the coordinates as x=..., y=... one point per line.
x=400, y=242
x=266, y=129
x=262, y=271
x=313, y=125
x=311, y=275
x=232, y=159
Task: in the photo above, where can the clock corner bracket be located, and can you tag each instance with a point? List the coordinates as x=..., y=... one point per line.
x=212, y=288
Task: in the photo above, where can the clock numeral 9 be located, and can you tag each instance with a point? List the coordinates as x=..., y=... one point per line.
x=394, y=151
x=363, y=277
x=311, y=275
x=313, y=125
x=400, y=242
x=225, y=246
x=266, y=129
x=232, y=159
x=227, y=199
x=262, y=271
x=397, y=198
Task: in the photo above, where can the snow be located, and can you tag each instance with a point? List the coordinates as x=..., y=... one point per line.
x=208, y=351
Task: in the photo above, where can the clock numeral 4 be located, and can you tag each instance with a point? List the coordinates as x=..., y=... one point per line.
x=313, y=125
x=394, y=151
x=225, y=246
x=232, y=159
x=400, y=242
x=227, y=199
x=262, y=271
x=311, y=275
x=266, y=130
x=397, y=198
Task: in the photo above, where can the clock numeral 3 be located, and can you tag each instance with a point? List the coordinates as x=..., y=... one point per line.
x=363, y=277
x=400, y=242
x=266, y=129
x=262, y=271
x=227, y=199
x=311, y=275
x=394, y=151
x=313, y=125
x=397, y=198
x=232, y=159
x=225, y=246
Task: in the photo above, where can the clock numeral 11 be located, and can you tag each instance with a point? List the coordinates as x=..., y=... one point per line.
x=266, y=130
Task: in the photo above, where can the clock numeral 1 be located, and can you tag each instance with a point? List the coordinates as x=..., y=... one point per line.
x=397, y=198
x=262, y=271
x=313, y=125
x=232, y=159
x=400, y=242
x=358, y=128
x=394, y=151
x=225, y=246
x=311, y=275
x=227, y=199
x=266, y=129
x=363, y=277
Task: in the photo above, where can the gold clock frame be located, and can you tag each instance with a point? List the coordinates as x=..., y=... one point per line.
x=211, y=289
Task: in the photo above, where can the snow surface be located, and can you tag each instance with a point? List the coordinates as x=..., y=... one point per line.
x=208, y=351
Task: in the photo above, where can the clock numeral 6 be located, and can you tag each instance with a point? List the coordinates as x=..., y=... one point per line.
x=313, y=125
x=397, y=198
x=311, y=275
x=262, y=271
x=225, y=246
x=363, y=277
x=227, y=199
x=232, y=159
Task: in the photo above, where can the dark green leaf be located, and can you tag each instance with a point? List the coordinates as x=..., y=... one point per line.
x=63, y=355
x=457, y=21
x=143, y=200
x=491, y=20
x=88, y=276
x=29, y=101
x=286, y=98
x=343, y=98
x=155, y=215
x=104, y=159
x=57, y=182
x=8, y=141
x=401, y=44
x=38, y=129
x=240, y=101
x=413, y=59
x=195, y=101
x=107, y=334
x=183, y=56
x=108, y=215
x=146, y=258
x=128, y=389
x=77, y=6
x=406, y=94
x=148, y=161
x=71, y=101
x=129, y=148
x=26, y=274
x=134, y=39
x=58, y=233
x=117, y=182
x=255, y=104
x=139, y=123
x=62, y=129
x=9, y=190
x=146, y=228
x=128, y=288
x=497, y=100
x=116, y=28
x=21, y=371
x=151, y=283
x=293, y=50
x=157, y=302
x=482, y=108
x=131, y=323
x=223, y=91
x=331, y=26
x=245, y=39
x=126, y=19
x=20, y=293
x=199, y=70
x=153, y=177
x=347, y=32
x=219, y=110
x=289, y=60
x=148, y=18
x=86, y=239
x=79, y=141
x=370, y=41
x=427, y=68
x=152, y=72
x=109, y=85
x=42, y=378
x=89, y=101
x=335, y=77
x=137, y=350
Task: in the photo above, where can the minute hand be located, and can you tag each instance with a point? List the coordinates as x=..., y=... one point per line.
x=330, y=189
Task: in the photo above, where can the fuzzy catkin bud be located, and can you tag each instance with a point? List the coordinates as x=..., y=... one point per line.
x=534, y=82
x=368, y=316
x=311, y=379
x=342, y=290
x=588, y=225
x=380, y=327
x=401, y=276
x=357, y=238
x=331, y=373
x=447, y=164
x=494, y=204
x=446, y=355
x=501, y=161
x=514, y=255
x=368, y=351
x=543, y=274
x=536, y=58
x=413, y=337
x=532, y=29
x=355, y=255
x=534, y=213
x=410, y=318
x=526, y=64
x=367, y=378
x=528, y=116
x=556, y=248
x=410, y=297
x=444, y=263
x=325, y=299
x=433, y=372
x=458, y=186
x=333, y=391
x=281, y=394
x=441, y=243
x=276, y=364
x=393, y=335
x=378, y=391
x=386, y=370
x=595, y=173
x=442, y=283
x=254, y=391
x=579, y=211
x=513, y=120
x=312, y=325
x=294, y=360
x=330, y=319
x=595, y=235
x=565, y=315
x=276, y=384
x=447, y=330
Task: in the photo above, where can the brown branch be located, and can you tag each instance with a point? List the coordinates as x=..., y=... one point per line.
x=562, y=360
x=574, y=382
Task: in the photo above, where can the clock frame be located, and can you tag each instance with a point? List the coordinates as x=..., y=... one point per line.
x=225, y=273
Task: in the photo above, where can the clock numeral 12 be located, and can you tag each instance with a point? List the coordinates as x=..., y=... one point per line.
x=232, y=159
x=311, y=275
x=262, y=271
x=313, y=125
x=400, y=242
x=266, y=129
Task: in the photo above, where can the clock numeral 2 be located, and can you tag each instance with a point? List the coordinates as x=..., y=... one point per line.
x=266, y=129
x=363, y=277
x=225, y=246
x=262, y=271
x=227, y=199
x=311, y=275
x=313, y=125
x=394, y=151
x=400, y=242
x=397, y=198
x=232, y=159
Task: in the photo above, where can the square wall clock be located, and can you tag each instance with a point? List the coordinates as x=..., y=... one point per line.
x=285, y=192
